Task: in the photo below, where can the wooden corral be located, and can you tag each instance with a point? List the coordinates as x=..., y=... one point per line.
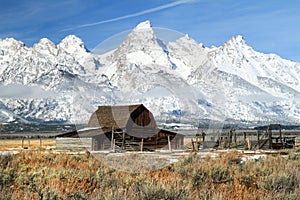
x=131, y=128
x=271, y=138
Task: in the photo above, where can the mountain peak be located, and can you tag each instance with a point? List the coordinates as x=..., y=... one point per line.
x=12, y=42
x=45, y=46
x=143, y=30
x=72, y=44
x=72, y=39
x=185, y=38
x=237, y=40
x=46, y=41
x=188, y=42
x=141, y=37
x=143, y=25
x=142, y=46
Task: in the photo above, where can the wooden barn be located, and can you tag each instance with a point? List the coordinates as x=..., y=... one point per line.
x=131, y=128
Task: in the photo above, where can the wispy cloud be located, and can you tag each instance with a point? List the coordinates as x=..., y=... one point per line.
x=143, y=12
x=24, y=91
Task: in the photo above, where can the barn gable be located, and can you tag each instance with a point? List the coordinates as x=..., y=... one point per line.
x=120, y=117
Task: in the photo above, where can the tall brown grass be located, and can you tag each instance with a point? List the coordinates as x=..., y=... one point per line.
x=40, y=175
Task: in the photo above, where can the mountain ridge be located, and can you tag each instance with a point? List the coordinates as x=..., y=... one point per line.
x=232, y=81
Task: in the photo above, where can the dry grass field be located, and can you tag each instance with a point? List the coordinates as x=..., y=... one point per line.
x=45, y=174
x=8, y=144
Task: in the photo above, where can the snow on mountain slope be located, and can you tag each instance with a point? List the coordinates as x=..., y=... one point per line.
x=236, y=57
x=181, y=79
x=55, y=69
x=187, y=55
x=141, y=42
x=266, y=85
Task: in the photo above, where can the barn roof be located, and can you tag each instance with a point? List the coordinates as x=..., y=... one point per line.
x=86, y=132
x=94, y=132
x=113, y=116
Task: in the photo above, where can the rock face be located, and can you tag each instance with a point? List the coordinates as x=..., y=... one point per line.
x=66, y=82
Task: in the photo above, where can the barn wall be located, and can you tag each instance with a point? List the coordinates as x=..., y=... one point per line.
x=74, y=144
x=146, y=118
x=93, y=122
x=140, y=118
x=102, y=142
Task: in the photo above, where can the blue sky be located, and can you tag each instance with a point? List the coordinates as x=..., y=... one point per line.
x=270, y=26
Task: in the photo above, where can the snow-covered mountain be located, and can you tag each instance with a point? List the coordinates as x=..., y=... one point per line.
x=181, y=79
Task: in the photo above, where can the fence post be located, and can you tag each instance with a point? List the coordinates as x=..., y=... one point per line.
x=114, y=146
x=249, y=143
x=28, y=141
x=235, y=139
x=245, y=142
x=258, y=140
x=40, y=141
x=123, y=141
x=270, y=137
x=112, y=139
x=142, y=144
x=169, y=142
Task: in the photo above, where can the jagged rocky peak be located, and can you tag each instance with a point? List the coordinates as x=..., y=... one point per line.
x=46, y=41
x=141, y=48
x=237, y=40
x=187, y=40
x=11, y=43
x=72, y=39
x=186, y=36
x=190, y=40
x=143, y=25
x=72, y=44
x=238, y=45
x=185, y=44
x=144, y=30
x=141, y=39
x=45, y=46
x=141, y=36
